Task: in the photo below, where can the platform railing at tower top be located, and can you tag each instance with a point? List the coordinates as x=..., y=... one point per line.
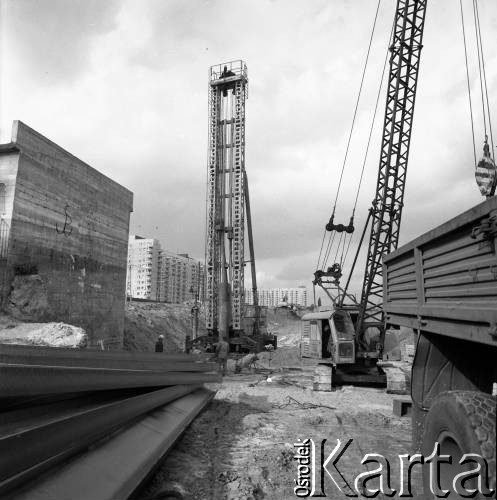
x=238, y=67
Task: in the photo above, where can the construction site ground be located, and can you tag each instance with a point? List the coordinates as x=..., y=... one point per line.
x=241, y=446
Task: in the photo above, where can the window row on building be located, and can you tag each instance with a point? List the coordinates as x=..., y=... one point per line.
x=157, y=274
x=296, y=296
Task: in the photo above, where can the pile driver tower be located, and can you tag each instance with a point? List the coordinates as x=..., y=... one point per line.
x=228, y=207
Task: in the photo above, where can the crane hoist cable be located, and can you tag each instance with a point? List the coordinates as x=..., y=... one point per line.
x=482, y=94
x=467, y=79
x=352, y=124
x=485, y=104
x=346, y=246
x=483, y=75
x=380, y=88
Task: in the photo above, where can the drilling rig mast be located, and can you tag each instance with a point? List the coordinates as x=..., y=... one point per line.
x=227, y=204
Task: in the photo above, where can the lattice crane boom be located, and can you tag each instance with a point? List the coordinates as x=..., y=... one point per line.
x=399, y=110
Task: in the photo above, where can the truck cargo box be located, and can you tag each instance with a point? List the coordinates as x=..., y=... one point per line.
x=445, y=281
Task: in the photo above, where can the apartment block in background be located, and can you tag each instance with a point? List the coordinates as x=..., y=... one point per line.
x=272, y=297
x=158, y=274
x=181, y=278
x=142, y=279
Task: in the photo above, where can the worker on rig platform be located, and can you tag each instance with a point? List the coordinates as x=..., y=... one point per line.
x=222, y=350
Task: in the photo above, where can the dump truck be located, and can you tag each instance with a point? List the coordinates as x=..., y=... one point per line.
x=443, y=285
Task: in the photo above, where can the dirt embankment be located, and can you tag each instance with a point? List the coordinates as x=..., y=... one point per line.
x=145, y=321
x=285, y=323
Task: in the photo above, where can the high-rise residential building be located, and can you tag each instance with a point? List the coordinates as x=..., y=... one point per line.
x=157, y=274
x=142, y=279
x=181, y=278
x=276, y=296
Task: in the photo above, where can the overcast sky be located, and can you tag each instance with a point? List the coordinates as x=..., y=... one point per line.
x=122, y=84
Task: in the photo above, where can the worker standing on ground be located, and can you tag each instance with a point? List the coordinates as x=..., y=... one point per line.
x=159, y=345
x=222, y=350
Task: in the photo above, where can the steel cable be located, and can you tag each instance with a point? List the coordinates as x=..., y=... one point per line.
x=351, y=132
x=480, y=44
x=356, y=106
x=467, y=80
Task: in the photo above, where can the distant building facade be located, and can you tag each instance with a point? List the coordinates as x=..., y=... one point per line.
x=161, y=275
x=275, y=296
x=181, y=278
x=142, y=279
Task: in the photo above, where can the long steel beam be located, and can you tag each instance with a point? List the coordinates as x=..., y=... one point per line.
x=114, y=364
x=26, y=448
x=21, y=354
x=137, y=450
x=30, y=380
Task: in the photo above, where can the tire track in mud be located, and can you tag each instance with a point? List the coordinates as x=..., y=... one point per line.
x=241, y=446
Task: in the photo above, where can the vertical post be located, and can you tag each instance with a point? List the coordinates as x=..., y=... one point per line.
x=252, y=257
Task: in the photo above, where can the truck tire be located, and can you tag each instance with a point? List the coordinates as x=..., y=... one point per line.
x=462, y=422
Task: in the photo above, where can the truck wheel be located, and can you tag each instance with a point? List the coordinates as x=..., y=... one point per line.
x=461, y=422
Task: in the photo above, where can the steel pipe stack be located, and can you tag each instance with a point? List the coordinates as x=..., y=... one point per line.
x=58, y=408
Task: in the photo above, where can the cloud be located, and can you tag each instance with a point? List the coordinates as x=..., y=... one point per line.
x=51, y=40
x=123, y=85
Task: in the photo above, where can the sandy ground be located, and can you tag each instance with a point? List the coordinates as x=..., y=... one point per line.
x=241, y=446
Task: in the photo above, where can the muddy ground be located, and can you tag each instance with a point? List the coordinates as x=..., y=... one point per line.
x=241, y=446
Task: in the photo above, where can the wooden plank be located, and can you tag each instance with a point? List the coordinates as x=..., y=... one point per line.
x=457, y=256
x=471, y=216
x=484, y=276
x=449, y=243
x=477, y=262
x=406, y=287
x=481, y=290
x=450, y=328
x=401, y=295
x=449, y=311
x=406, y=261
x=408, y=278
x=406, y=271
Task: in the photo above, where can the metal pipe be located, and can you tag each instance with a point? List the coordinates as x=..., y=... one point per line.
x=29, y=380
x=137, y=450
x=34, y=444
x=24, y=355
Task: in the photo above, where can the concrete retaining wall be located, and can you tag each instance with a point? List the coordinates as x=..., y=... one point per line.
x=68, y=239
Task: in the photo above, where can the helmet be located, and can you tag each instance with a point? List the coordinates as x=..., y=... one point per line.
x=161, y=336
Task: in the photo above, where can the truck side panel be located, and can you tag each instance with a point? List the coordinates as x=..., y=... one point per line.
x=445, y=281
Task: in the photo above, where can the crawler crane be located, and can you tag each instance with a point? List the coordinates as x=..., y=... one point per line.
x=352, y=334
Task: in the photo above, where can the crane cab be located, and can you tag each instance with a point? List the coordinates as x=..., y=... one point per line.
x=328, y=336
